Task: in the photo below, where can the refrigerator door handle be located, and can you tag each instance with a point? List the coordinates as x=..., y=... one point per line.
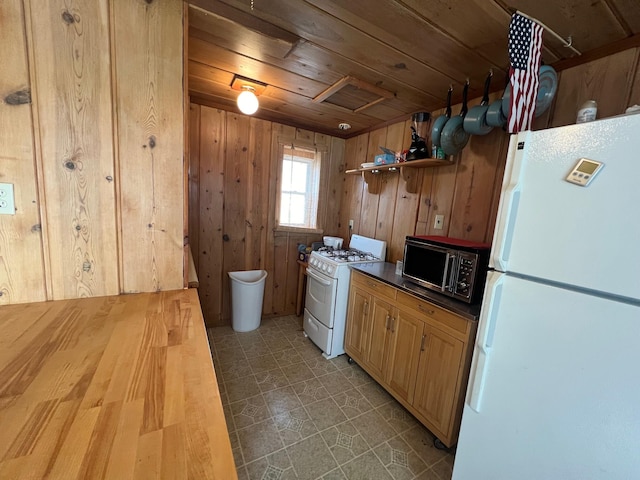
x=508, y=209
x=503, y=247
x=484, y=340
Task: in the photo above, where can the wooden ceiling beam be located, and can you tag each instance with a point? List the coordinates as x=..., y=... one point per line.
x=245, y=19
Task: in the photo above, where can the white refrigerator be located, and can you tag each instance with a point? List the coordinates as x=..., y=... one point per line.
x=554, y=389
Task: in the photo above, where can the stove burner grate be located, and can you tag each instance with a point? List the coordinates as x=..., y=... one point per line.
x=346, y=255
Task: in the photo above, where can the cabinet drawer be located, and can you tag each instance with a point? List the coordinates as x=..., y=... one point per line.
x=423, y=307
x=374, y=286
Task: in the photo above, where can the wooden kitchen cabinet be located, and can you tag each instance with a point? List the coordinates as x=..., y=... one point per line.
x=384, y=341
x=438, y=379
x=378, y=334
x=368, y=319
x=404, y=353
x=419, y=352
x=355, y=335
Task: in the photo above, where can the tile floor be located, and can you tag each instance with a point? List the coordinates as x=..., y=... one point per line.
x=293, y=415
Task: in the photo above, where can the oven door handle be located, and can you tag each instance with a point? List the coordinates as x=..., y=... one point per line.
x=319, y=279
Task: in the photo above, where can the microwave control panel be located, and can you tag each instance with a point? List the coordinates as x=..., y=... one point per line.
x=465, y=275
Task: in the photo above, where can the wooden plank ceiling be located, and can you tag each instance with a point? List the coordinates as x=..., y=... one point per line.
x=412, y=48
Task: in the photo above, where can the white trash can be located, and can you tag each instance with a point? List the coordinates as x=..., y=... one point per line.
x=247, y=292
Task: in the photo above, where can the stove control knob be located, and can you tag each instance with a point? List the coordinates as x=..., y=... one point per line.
x=324, y=267
x=330, y=269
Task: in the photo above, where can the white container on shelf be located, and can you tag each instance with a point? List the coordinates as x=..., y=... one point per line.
x=587, y=112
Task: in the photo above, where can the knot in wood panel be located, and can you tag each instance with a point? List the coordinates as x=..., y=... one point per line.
x=109, y=178
x=70, y=165
x=86, y=266
x=20, y=97
x=68, y=17
x=152, y=141
x=36, y=228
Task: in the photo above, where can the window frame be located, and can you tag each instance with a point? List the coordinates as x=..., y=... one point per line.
x=320, y=150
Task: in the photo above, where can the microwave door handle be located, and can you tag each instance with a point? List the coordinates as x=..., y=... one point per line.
x=447, y=274
x=450, y=273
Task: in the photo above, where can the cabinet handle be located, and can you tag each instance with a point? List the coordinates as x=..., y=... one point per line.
x=386, y=322
x=366, y=308
x=371, y=284
x=425, y=310
x=393, y=324
x=422, y=343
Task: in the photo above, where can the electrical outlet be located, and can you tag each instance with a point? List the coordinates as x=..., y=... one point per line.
x=7, y=203
x=351, y=224
x=437, y=225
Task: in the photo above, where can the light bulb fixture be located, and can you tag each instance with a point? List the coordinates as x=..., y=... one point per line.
x=247, y=100
x=249, y=90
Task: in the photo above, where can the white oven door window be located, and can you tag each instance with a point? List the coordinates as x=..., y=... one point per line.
x=321, y=297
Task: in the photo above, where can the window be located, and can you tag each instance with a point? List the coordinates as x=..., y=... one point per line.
x=299, y=186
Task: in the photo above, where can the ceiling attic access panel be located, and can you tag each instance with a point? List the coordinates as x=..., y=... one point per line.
x=353, y=94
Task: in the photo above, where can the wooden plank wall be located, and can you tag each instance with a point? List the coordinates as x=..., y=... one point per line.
x=150, y=129
x=75, y=159
x=232, y=194
x=94, y=151
x=21, y=262
x=467, y=192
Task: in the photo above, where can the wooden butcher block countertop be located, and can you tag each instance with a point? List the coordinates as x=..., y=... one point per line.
x=111, y=387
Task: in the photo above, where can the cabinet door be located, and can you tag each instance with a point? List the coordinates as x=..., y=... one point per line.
x=404, y=353
x=355, y=342
x=437, y=379
x=379, y=322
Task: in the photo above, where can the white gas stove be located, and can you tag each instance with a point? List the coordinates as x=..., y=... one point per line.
x=328, y=290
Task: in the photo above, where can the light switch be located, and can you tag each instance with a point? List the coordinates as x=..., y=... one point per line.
x=7, y=203
x=437, y=225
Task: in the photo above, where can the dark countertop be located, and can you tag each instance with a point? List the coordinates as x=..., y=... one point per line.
x=386, y=272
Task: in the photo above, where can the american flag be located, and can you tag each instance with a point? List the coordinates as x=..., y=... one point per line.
x=525, y=45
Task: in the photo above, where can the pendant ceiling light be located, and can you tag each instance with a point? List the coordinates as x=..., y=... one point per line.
x=249, y=90
x=247, y=101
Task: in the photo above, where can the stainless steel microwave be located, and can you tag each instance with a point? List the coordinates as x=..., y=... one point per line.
x=451, y=266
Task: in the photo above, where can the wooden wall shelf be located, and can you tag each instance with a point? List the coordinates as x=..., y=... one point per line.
x=394, y=167
x=370, y=175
